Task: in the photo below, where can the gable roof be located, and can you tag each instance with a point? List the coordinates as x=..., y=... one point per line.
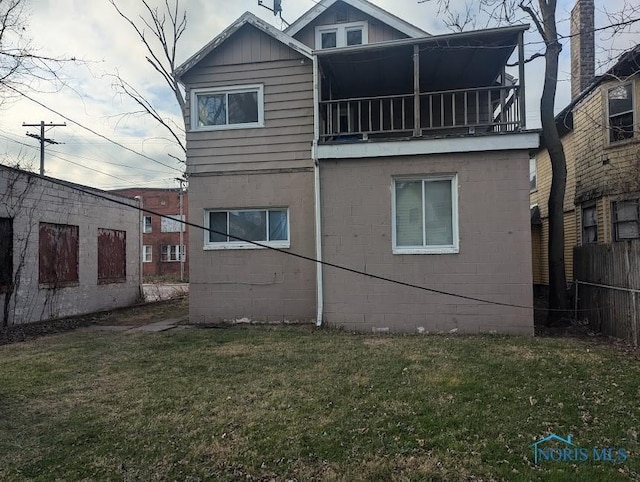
x=246, y=19
x=627, y=64
x=362, y=5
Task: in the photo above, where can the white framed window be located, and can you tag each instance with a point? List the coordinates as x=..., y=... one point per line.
x=265, y=226
x=173, y=223
x=172, y=253
x=620, y=111
x=237, y=107
x=147, y=254
x=589, y=223
x=626, y=219
x=146, y=224
x=342, y=35
x=425, y=215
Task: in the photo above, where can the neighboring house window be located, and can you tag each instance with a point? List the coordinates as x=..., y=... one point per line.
x=342, y=35
x=59, y=254
x=533, y=174
x=589, y=223
x=6, y=253
x=172, y=253
x=147, y=254
x=227, y=108
x=621, y=117
x=172, y=224
x=425, y=215
x=146, y=224
x=626, y=219
x=112, y=256
x=266, y=226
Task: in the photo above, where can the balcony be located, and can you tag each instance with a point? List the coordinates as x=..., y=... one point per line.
x=453, y=85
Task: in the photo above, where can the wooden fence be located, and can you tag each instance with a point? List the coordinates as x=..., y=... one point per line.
x=608, y=288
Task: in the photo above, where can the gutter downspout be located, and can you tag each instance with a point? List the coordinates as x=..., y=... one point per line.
x=316, y=173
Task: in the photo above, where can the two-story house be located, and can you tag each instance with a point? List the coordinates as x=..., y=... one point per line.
x=601, y=139
x=357, y=139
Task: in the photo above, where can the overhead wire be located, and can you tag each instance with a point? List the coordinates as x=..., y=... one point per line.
x=301, y=256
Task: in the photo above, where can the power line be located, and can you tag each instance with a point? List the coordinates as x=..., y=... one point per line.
x=301, y=256
x=91, y=130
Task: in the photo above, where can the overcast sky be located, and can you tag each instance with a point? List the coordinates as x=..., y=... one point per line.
x=92, y=31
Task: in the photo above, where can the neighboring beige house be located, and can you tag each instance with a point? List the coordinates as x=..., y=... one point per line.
x=65, y=249
x=601, y=138
x=356, y=138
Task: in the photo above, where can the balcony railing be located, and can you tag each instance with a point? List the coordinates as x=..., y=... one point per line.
x=451, y=112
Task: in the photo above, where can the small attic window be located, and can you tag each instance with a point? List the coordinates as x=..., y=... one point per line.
x=342, y=35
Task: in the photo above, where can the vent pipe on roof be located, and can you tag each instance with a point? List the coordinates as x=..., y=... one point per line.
x=582, y=46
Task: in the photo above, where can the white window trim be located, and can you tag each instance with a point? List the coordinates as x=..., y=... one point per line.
x=147, y=249
x=634, y=111
x=209, y=246
x=448, y=249
x=583, y=207
x=180, y=252
x=236, y=89
x=144, y=225
x=614, y=218
x=341, y=33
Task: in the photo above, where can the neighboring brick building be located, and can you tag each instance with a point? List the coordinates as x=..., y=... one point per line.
x=161, y=251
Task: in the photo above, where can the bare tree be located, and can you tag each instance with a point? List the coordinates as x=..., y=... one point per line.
x=21, y=66
x=159, y=30
x=543, y=15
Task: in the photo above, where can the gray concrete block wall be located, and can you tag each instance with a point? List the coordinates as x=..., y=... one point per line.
x=255, y=285
x=30, y=199
x=494, y=261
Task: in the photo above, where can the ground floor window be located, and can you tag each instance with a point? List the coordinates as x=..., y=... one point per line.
x=626, y=218
x=589, y=223
x=112, y=256
x=6, y=253
x=233, y=229
x=425, y=215
x=172, y=253
x=147, y=254
x=58, y=253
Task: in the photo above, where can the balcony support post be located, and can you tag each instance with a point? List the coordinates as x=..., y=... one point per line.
x=521, y=91
x=417, y=131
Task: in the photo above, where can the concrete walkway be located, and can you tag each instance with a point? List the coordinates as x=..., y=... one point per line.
x=156, y=327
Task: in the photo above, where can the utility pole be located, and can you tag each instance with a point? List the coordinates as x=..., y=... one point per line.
x=42, y=138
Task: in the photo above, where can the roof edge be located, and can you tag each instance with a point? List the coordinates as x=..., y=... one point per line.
x=362, y=5
x=244, y=19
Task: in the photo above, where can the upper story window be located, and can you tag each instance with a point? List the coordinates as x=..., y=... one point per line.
x=146, y=224
x=620, y=112
x=342, y=35
x=227, y=108
x=425, y=215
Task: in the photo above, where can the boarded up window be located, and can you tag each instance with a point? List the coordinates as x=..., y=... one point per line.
x=6, y=253
x=112, y=256
x=58, y=254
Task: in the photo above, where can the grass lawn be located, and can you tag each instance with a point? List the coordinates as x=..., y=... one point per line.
x=259, y=403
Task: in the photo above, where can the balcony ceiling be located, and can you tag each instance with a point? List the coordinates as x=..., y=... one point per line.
x=453, y=61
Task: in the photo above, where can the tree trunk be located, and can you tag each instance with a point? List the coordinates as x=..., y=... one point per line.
x=557, y=279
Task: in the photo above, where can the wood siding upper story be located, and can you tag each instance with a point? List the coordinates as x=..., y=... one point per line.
x=603, y=168
x=378, y=31
x=251, y=57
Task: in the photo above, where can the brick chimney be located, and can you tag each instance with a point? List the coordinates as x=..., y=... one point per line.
x=582, y=46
